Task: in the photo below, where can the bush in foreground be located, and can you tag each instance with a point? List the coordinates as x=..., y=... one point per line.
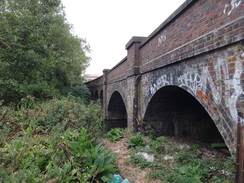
x=54, y=141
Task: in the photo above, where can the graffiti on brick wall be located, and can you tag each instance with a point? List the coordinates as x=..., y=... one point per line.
x=211, y=85
x=230, y=86
x=238, y=92
x=161, y=39
x=160, y=82
x=223, y=84
x=229, y=7
x=205, y=99
x=194, y=83
x=191, y=80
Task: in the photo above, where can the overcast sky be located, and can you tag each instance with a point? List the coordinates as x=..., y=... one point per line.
x=108, y=25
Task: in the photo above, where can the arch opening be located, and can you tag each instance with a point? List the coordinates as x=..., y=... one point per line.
x=96, y=95
x=101, y=97
x=92, y=95
x=117, y=115
x=173, y=111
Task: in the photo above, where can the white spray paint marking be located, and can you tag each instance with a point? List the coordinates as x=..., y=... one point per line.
x=161, y=39
x=191, y=80
x=160, y=82
x=229, y=7
x=214, y=91
x=236, y=83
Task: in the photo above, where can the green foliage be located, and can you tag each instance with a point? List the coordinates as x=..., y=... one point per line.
x=114, y=134
x=138, y=159
x=196, y=172
x=56, y=115
x=38, y=53
x=41, y=146
x=174, y=163
x=79, y=91
x=137, y=140
x=156, y=146
x=187, y=173
x=186, y=157
x=152, y=134
x=158, y=174
x=97, y=160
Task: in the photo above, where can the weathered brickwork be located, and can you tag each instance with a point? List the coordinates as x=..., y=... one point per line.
x=196, y=53
x=215, y=79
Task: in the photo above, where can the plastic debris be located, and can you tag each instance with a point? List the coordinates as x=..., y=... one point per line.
x=126, y=181
x=224, y=172
x=149, y=158
x=167, y=157
x=183, y=146
x=118, y=179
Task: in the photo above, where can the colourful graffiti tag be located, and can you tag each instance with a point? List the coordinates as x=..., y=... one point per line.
x=205, y=99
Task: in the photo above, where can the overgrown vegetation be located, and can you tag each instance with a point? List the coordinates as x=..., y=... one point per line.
x=53, y=141
x=48, y=128
x=137, y=140
x=182, y=163
x=114, y=134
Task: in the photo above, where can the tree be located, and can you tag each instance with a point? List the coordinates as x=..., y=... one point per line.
x=38, y=53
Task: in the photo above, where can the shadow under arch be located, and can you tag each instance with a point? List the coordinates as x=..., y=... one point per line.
x=92, y=95
x=173, y=111
x=101, y=97
x=116, y=112
x=96, y=95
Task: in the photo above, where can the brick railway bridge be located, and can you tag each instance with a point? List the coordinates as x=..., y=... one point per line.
x=184, y=79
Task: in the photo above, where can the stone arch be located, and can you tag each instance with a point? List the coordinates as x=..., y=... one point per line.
x=198, y=81
x=116, y=112
x=117, y=87
x=174, y=111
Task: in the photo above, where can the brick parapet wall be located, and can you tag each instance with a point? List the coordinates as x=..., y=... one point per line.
x=98, y=82
x=196, y=27
x=199, y=28
x=118, y=72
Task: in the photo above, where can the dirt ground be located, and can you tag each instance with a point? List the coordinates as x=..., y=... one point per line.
x=127, y=169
